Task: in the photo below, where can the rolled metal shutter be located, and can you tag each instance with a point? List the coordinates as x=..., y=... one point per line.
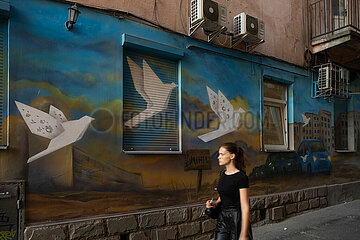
x=151, y=103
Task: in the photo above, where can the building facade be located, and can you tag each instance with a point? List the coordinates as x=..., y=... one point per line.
x=126, y=110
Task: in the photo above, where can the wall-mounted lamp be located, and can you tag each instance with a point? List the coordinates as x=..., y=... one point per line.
x=73, y=13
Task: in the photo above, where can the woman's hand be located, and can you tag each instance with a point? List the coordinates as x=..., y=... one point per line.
x=210, y=204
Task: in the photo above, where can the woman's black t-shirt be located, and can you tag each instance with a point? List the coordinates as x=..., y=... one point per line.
x=229, y=186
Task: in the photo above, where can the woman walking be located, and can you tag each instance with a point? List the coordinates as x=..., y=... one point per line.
x=233, y=187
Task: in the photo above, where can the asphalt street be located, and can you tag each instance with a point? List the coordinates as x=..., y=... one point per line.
x=340, y=222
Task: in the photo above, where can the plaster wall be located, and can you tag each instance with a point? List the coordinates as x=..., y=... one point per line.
x=285, y=21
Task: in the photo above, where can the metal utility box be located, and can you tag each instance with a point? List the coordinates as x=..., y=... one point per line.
x=12, y=196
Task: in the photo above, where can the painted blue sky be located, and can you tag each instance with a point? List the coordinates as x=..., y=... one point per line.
x=88, y=59
x=85, y=60
x=304, y=102
x=231, y=77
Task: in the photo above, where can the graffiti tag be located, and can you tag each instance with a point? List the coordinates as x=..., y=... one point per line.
x=7, y=235
x=4, y=222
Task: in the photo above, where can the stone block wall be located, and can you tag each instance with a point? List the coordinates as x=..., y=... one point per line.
x=189, y=222
x=186, y=222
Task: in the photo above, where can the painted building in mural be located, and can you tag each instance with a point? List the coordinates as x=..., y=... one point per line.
x=123, y=113
x=341, y=126
x=318, y=128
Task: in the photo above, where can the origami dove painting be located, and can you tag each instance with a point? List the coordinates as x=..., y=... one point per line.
x=305, y=119
x=229, y=119
x=54, y=126
x=152, y=89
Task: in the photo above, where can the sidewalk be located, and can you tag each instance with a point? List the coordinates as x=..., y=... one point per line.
x=339, y=222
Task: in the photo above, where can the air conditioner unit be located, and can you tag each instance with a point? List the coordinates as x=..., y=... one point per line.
x=212, y=13
x=252, y=27
x=332, y=77
x=332, y=81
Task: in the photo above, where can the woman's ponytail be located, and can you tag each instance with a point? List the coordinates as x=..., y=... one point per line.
x=240, y=159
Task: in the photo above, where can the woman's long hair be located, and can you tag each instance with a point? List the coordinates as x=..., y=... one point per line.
x=240, y=156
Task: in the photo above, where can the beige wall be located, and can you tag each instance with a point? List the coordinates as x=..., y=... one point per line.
x=285, y=21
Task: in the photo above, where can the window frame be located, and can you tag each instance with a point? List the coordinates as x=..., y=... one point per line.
x=283, y=105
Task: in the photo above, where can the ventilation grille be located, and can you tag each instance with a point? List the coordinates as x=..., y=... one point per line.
x=195, y=9
x=237, y=25
x=323, y=79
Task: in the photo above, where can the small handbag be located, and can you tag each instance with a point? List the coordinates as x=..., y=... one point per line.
x=214, y=212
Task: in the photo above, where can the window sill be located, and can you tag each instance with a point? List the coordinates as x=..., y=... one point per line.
x=152, y=152
x=276, y=148
x=345, y=151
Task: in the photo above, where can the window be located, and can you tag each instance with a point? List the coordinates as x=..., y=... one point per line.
x=4, y=105
x=339, y=13
x=275, y=116
x=151, y=104
x=151, y=96
x=316, y=147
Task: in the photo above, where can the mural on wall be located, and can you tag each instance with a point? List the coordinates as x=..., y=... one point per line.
x=54, y=126
x=310, y=155
x=319, y=127
x=314, y=140
x=92, y=176
x=229, y=119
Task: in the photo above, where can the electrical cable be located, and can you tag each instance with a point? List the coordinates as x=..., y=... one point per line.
x=154, y=12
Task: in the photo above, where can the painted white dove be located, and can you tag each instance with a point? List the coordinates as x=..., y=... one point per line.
x=306, y=120
x=304, y=157
x=152, y=89
x=53, y=126
x=229, y=119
